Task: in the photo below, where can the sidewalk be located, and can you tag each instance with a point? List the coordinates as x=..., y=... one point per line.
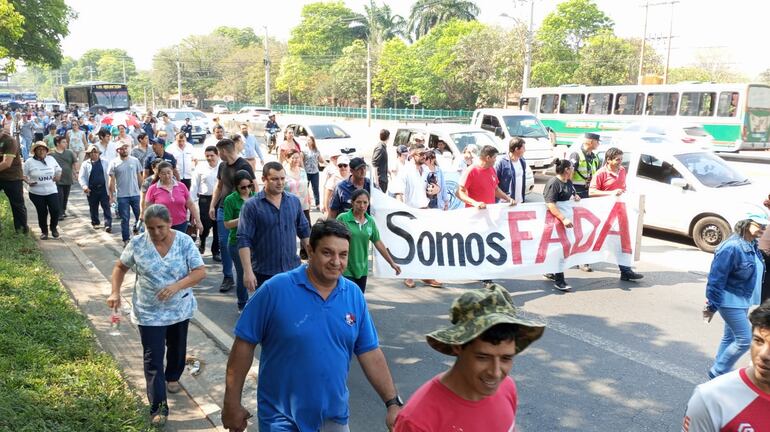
x=83, y=258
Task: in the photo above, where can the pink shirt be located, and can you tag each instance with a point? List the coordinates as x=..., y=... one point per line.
x=606, y=180
x=175, y=200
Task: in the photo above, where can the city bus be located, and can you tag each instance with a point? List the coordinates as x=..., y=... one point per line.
x=736, y=115
x=28, y=97
x=110, y=96
x=5, y=97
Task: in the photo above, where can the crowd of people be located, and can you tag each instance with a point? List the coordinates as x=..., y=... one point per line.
x=304, y=303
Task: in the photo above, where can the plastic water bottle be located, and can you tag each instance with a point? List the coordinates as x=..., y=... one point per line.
x=115, y=323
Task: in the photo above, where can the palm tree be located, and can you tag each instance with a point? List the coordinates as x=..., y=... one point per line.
x=427, y=14
x=378, y=24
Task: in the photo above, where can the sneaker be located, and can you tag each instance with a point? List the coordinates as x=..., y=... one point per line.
x=44, y=236
x=631, y=276
x=95, y=225
x=550, y=276
x=227, y=285
x=586, y=268
x=562, y=286
x=108, y=230
x=61, y=217
x=217, y=257
x=55, y=233
x=173, y=387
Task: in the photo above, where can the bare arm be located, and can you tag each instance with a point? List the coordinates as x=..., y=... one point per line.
x=234, y=415
x=111, y=189
x=118, y=275
x=558, y=214
x=462, y=195
x=375, y=368
x=214, y=199
x=7, y=161
x=249, y=279
x=232, y=223
x=193, y=278
x=503, y=196
x=194, y=213
x=380, y=246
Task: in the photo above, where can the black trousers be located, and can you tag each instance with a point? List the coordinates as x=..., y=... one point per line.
x=581, y=190
x=361, y=282
x=204, y=204
x=64, y=197
x=99, y=198
x=187, y=182
x=15, y=192
x=45, y=205
x=159, y=342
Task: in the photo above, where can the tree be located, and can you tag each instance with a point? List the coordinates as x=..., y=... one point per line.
x=606, y=60
x=764, y=76
x=241, y=37
x=378, y=24
x=103, y=65
x=296, y=79
x=45, y=24
x=349, y=73
x=322, y=34
x=427, y=14
x=394, y=74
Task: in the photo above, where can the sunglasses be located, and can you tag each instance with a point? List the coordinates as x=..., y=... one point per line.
x=342, y=165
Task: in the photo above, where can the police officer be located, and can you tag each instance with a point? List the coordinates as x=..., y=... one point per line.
x=586, y=163
x=187, y=128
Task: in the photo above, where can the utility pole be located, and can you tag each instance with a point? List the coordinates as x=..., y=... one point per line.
x=124, y=71
x=644, y=41
x=668, y=48
x=528, y=49
x=91, y=72
x=267, y=73
x=178, y=78
x=368, y=85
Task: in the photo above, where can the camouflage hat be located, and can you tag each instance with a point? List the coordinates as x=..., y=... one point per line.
x=475, y=312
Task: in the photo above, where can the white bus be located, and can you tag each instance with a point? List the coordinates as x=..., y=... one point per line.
x=736, y=115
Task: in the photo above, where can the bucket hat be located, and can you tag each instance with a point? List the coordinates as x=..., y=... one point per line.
x=39, y=144
x=475, y=312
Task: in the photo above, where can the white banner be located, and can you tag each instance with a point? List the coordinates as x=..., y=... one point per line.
x=503, y=242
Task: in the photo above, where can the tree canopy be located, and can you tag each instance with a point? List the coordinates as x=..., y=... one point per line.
x=32, y=30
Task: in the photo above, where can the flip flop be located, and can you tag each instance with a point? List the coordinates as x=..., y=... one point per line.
x=409, y=284
x=434, y=283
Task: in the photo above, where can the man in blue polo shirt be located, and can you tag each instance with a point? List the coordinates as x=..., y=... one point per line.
x=340, y=202
x=310, y=322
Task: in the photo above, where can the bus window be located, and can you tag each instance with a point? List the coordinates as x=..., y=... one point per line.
x=599, y=103
x=572, y=103
x=728, y=104
x=549, y=104
x=629, y=103
x=697, y=104
x=662, y=104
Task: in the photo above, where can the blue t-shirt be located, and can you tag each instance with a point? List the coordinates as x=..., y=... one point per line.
x=307, y=344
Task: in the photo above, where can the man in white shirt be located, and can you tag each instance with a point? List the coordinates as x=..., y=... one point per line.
x=219, y=134
x=204, y=182
x=183, y=153
x=251, y=148
x=107, y=147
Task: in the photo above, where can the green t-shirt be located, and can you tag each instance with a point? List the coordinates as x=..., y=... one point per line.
x=49, y=141
x=232, y=209
x=360, y=236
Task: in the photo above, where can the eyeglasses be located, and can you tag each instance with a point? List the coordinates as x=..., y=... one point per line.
x=342, y=165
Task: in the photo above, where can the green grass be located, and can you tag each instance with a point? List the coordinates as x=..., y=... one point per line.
x=53, y=376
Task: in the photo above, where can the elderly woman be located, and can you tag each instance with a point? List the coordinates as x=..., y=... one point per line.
x=362, y=231
x=41, y=172
x=167, y=266
x=173, y=194
x=470, y=156
x=735, y=284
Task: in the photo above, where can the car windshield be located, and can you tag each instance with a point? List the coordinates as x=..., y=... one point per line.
x=711, y=170
x=462, y=139
x=524, y=126
x=328, y=131
x=179, y=116
x=197, y=115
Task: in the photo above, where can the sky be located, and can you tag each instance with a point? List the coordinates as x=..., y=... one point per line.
x=734, y=28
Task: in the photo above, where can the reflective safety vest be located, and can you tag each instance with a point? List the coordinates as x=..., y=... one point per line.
x=585, y=169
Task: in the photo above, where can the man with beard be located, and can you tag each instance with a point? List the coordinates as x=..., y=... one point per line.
x=125, y=185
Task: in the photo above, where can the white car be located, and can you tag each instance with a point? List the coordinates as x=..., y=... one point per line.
x=690, y=191
x=197, y=118
x=220, y=109
x=329, y=138
x=676, y=131
x=253, y=114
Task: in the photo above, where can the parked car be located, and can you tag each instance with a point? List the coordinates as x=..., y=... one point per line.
x=220, y=109
x=676, y=131
x=508, y=123
x=329, y=137
x=252, y=114
x=197, y=118
x=689, y=191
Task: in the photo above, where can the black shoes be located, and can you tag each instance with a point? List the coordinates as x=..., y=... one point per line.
x=216, y=257
x=562, y=285
x=108, y=229
x=44, y=236
x=55, y=233
x=630, y=276
x=227, y=285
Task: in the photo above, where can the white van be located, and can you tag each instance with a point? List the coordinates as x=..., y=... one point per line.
x=509, y=123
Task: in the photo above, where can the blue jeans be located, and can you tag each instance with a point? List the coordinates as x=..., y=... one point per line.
x=223, y=233
x=735, y=341
x=158, y=342
x=25, y=145
x=182, y=227
x=624, y=269
x=125, y=206
x=240, y=289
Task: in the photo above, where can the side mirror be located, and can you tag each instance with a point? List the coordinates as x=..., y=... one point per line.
x=499, y=132
x=679, y=182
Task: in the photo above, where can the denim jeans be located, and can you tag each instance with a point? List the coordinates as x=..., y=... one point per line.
x=223, y=233
x=735, y=341
x=159, y=342
x=125, y=206
x=240, y=289
x=182, y=227
x=625, y=269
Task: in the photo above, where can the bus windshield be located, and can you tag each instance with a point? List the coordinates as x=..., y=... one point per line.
x=113, y=99
x=524, y=126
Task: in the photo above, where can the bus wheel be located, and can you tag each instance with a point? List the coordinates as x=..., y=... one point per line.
x=709, y=232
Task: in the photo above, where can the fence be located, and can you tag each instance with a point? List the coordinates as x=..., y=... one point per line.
x=463, y=116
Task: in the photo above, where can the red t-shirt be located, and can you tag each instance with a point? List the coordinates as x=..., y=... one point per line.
x=606, y=180
x=435, y=408
x=480, y=183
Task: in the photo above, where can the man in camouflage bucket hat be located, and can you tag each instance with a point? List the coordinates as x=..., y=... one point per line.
x=476, y=393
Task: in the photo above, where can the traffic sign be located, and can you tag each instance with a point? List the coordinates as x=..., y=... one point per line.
x=414, y=99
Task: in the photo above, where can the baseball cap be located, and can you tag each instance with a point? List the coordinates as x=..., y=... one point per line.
x=356, y=163
x=91, y=148
x=344, y=159
x=758, y=218
x=402, y=149
x=591, y=136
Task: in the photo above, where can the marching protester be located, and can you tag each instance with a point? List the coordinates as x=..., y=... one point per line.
x=231, y=164
x=470, y=156
x=611, y=180
x=251, y=148
x=341, y=197
x=337, y=174
x=11, y=180
x=219, y=134
x=738, y=400
x=169, y=127
x=148, y=181
x=159, y=152
x=511, y=170
x=560, y=189
x=187, y=130
x=174, y=195
x=148, y=126
x=48, y=139
x=203, y=184
x=142, y=150
x=244, y=189
x=124, y=188
x=77, y=140
x=413, y=191
x=289, y=143
x=296, y=181
x=268, y=228
x=312, y=159
x=120, y=136
x=764, y=248
x=585, y=163
x=380, y=162
x=41, y=171
x=93, y=180
x=394, y=185
x=107, y=147
x=68, y=163
x=734, y=285
x=183, y=153
x=476, y=393
x=363, y=230
x=296, y=391
x=437, y=192
x=167, y=266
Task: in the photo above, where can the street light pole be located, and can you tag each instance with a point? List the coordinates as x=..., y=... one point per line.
x=267, y=73
x=644, y=41
x=668, y=49
x=528, y=52
x=368, y=85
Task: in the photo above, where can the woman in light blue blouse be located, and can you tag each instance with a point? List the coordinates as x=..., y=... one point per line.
x=167, y=266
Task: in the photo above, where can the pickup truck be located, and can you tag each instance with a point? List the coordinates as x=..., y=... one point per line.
x=508, y=123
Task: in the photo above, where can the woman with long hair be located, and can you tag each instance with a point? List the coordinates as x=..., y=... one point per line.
x=313, y=161
x=296, y=180
x=245, y=188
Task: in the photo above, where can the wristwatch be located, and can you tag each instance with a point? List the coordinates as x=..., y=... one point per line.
x=395, y=401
